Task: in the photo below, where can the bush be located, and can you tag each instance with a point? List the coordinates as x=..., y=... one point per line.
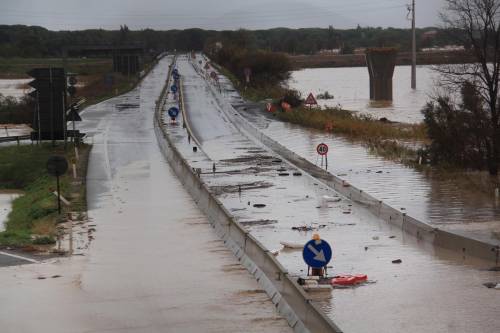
x=292, y=97
x=268, y=68
x=458, y=132
x=44, y=240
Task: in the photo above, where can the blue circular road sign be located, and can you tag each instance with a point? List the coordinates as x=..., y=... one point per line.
x=173, y=88
x=317, y=253
x=173, y=112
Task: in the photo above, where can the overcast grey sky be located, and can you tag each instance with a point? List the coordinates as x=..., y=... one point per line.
x=215, y=14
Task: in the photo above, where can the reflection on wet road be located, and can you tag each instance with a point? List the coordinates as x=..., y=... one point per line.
x=432, y=290
x=155, y=264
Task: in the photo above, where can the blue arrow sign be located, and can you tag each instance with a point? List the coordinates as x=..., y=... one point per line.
x=173, y=112
x=176, y=76
x=173, y=88
x=175, y=71
x=317, y=253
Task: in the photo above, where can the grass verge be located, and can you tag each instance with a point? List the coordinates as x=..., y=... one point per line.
x=357, y=127
x=34, y=215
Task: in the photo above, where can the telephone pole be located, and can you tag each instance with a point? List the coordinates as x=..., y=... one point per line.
x=413, y=49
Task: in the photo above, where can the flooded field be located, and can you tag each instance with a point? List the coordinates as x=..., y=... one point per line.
x=350, y=88
x=14, y=130
x=16, y=87
x=6, y=198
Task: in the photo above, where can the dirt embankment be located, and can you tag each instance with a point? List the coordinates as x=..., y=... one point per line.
x=358, y=60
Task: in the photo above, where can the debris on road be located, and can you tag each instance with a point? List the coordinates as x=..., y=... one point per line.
x=492, y=285
x=397, y=261
x=292, y=245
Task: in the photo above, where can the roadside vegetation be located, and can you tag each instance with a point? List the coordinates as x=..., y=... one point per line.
x=349, y=124
x=16, y=111
x=34, y=217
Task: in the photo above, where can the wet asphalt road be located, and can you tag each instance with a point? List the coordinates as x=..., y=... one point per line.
x=155, y=264
x=432, y=290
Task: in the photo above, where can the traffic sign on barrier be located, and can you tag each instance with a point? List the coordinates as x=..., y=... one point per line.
x=173, y=112
x=173, y=88
x=317, y=253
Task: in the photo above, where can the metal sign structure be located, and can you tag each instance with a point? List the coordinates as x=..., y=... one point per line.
x=317, y=253
x=173, y=88
x=50, y=96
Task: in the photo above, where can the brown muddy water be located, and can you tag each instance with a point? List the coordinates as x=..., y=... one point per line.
x=451, y=202
x=350, y=88
x=431, y=290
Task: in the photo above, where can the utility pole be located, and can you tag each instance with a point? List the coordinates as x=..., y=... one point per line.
x=413, y=49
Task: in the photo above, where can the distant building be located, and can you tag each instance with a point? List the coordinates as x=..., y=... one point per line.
x=429, y=35
x=329, y=52
x=360, y=50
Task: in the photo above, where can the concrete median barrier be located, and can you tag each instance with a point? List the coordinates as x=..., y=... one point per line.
x=290, y=299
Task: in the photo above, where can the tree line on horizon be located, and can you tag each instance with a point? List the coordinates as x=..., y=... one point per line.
x=35, y=41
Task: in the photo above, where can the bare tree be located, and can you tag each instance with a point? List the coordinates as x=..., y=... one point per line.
x=478, y=25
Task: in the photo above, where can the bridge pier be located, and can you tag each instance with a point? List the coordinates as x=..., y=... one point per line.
x=381, y=63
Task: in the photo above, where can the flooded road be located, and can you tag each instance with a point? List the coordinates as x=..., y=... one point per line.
x=155, y=264
x=441, y=199
x=432, y=290
x=350, y=88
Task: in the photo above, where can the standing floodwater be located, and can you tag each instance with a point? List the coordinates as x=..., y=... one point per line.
x=350, y=88
x=6, y=198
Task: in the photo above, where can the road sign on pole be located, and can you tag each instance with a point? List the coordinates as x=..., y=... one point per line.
x=310, y=100
x=317, y=253
x=173, y=112
x=173, y=88
x=57, y=166
x=322, y=149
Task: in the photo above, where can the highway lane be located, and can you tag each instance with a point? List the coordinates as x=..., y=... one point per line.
x=155, y=264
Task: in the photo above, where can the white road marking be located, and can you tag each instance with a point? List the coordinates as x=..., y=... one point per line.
x=19, y=257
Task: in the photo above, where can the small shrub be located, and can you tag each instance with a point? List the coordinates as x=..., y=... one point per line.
x=44, y=240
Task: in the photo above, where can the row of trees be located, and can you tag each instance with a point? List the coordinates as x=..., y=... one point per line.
x=32, y=41
x=14, y=111
x=465, y=129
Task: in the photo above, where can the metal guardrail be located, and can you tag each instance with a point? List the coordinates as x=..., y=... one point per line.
x=17, y=138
